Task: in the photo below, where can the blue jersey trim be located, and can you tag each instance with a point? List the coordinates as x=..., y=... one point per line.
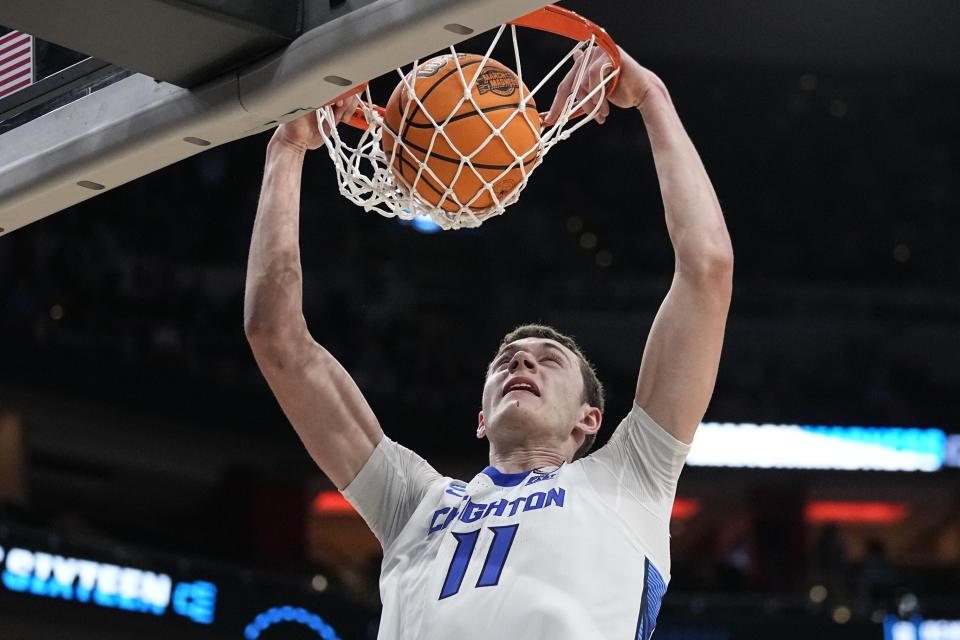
x=653, y=589
x=502, y=479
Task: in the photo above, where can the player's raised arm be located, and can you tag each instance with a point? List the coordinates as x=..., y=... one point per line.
x=318, y=396
x=682, y=354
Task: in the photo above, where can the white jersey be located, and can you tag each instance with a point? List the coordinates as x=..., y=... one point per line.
x=580, y=551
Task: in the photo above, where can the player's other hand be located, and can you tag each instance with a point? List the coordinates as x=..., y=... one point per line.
x=304, y=132
x=633, y=86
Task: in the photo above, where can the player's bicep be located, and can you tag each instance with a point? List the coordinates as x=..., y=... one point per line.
x=325, y=407
x=682, y=354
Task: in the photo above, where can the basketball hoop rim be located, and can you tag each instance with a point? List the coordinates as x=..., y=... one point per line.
x=552, y=19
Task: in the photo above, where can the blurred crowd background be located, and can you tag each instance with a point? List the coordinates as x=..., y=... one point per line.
x=144, y=423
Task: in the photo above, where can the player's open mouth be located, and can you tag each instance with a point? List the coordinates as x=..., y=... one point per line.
x=521, y=384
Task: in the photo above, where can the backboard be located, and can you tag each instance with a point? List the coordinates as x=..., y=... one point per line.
x=167, y=80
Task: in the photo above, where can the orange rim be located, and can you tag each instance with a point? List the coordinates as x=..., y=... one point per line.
x=552, y=19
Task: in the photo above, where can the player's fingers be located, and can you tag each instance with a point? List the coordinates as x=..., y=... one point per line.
x=323, y=124
x=603, y=112
x=596, y=79
x=347, y=107
x=585, y=101
x=592, y=108
x=338, y=111
x=565, y=89
x=561, y=97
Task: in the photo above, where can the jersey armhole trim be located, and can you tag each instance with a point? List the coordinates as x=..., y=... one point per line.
x=653, y=427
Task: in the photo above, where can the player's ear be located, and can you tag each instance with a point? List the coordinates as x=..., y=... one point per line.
x=590, y=419
x=481, y=427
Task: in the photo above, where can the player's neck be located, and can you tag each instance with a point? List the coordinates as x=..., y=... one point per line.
x=525, y=459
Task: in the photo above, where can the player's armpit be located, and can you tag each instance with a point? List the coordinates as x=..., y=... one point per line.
x=682, y=354
x=324, y=405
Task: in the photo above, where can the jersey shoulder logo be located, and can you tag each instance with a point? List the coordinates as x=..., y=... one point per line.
x=457, y=489
x=540, y=477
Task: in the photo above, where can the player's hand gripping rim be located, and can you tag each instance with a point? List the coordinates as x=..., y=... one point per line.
x=633, y=85
x=304, y=132
x=598, y=67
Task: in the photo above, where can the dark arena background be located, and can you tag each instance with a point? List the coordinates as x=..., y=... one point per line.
x=150, y=486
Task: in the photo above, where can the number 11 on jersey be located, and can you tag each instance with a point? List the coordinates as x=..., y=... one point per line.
x=492, y=565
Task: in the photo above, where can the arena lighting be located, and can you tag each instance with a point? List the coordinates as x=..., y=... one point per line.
x=952, y=454
x=787, y=446
x=685, y=508
x=822, y=512
x=916, y=628
x=104, y=585
x=277, y=615
x=423, y=224
x=332, y=503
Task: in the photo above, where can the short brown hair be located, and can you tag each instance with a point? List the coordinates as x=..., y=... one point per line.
x=592, y=387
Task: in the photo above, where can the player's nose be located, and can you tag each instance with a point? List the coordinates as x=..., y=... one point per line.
x=523, y=360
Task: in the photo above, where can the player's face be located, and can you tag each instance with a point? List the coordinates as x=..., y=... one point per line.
x=534, y=389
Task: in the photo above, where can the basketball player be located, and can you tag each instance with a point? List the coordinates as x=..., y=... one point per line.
x=544, y=543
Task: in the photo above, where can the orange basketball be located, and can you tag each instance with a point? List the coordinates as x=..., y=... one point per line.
x=497, y=93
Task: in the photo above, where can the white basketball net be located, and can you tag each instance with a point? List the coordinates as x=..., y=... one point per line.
x=364, y=173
